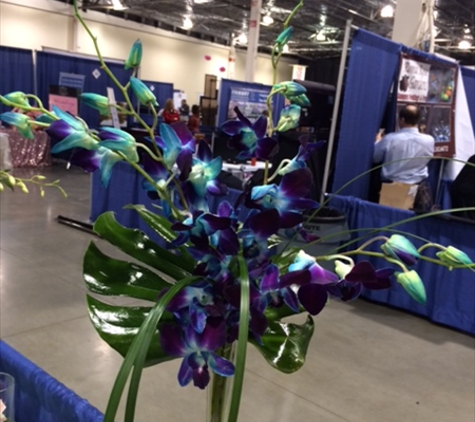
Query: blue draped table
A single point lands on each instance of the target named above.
(450, 294)
(41, 398)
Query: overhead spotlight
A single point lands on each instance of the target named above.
(187, 23)
(117, 5)
(242, 39)
(286, 49)
(202, 1)
(465, 44)
(466, 30)
(267, 20)
(321, 36)
(387, 11)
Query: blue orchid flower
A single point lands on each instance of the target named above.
(119, 141)
(20, 121)
(271, 287)
(135, 56)
(289, 118)
(143, 93)
(202, 178)
(197, 350)
(157, 171)
(312, 279)
(250, 138)
(101, 158)
(289, 198)
(97, 102)
(70, 132)
(304, 152)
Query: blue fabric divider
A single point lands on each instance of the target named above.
(50, 65)
(40, 397)
(468, 76)
(450, 294)
(372, 69)
(225, 95)
(16, 72)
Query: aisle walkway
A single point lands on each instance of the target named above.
(366, 363)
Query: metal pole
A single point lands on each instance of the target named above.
(336, 107)
(253, 39)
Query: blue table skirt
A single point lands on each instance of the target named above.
(41, 398)
(450, 294)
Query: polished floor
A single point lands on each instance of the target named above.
(366, 363)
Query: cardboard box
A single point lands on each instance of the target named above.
(398, 195)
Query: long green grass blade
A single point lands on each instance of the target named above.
(242, 342)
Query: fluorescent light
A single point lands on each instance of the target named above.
(202, 1)
(286, 49)
(242, 39)
(267, 20)
(465, 45)
(353, 11)
(187, 23)
(466, 30)
(387, 11)
(117, 5)
(321, 36)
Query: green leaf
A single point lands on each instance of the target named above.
(242, 341)
(136, 244)
(163, 228)
(119, 325)
(107, 276)
(284, 346)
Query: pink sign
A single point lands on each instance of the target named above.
(69, 104)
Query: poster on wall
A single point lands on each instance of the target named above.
(251, 102)
(65, 98)
(431, 86)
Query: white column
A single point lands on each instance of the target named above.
(231, 61)
(253, 39)
(407, 21)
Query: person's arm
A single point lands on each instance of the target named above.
(380, 150)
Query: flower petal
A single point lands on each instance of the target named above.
(313, 298)
(264, 224)
(185, 374)
(228, 242)
(172, 340)
(232, 127)
(260, 126)
(219, 365)
(270, 281)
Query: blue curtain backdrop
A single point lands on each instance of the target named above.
(468, 76)
(50, 65)
(16, 72)
(372, 69)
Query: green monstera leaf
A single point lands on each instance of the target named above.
(119, 325)
(112, 277)
(285, 345)
(139, 246)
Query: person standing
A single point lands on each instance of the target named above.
(401, 151)
(170, 114)
(184, 111)
(194, 122)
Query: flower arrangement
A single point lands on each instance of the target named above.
(216, 282)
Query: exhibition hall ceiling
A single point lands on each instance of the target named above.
(319, 26)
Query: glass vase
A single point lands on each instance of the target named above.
(7, 398)
(219, 390)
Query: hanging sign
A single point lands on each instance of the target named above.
(431, 85)
(251, 102)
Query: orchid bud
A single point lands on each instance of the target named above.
(2, 188)
(142, 92)
(97, 102)
(413, 285)
(135, 56)
(20, 121)
(18, 98)
(400, 248)
(284, 37)
(289, 118)
(454, 257)
(290, 89)
(342, 269)
(301, 100)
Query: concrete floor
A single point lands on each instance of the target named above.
(366, 363)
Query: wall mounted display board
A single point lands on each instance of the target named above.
(432, 86)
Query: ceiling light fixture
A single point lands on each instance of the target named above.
(466, 30)
(267, 20)
(187, 23)
(117, 5)
(387, 11)
(242, 38)
(321, 36)
(202, 1)
(286, 49)
(465, 45)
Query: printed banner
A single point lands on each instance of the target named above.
(431, 86)
(251, 102)
(64, 98)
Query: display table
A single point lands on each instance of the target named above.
(29, 152)
(450, 294)
(41, 398)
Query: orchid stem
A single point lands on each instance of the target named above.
(431, 245)
(276, 173)
(146, 148)
(374, 239)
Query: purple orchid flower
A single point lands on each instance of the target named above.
(197, 350)
(271, 287)
(250, 138)
(70, 132)
(312, 279)
(304, 152)
(202, 178)
(101, 158)
(257, 229)
(289, 198)
(119, 141)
